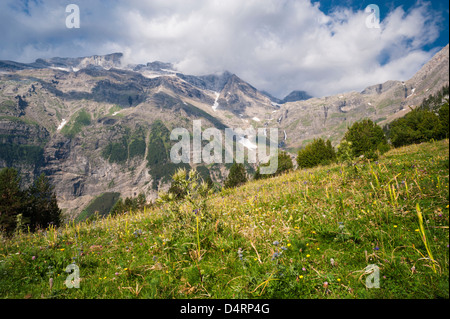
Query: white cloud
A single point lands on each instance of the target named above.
(276, 45)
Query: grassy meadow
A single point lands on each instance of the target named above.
(308, 234)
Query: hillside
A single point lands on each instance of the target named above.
(306, 234)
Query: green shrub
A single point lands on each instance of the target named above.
(344, 153)
(367, 138)
(419, 126)
(444, 119)
(415, 127)
(428, 121)
(316, 153)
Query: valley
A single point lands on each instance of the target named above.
(95, 126)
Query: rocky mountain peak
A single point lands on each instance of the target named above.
(296, 96)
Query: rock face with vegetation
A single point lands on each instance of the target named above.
(95, 126)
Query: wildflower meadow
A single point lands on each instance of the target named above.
(363, 230)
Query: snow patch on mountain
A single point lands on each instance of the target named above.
(64, 122)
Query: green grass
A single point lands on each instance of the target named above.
(129, 146)
(102, 204)
(82, 119)
(359, 215)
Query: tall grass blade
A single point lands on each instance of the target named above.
(423, 235)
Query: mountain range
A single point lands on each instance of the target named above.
(95, 126)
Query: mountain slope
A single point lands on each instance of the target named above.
(87, 122)
(308, 234)
(329, 117)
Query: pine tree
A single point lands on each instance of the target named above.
(43, 207)
(118, 208)
(11, 199)
(236, 177)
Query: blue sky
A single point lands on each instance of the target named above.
(322, 47)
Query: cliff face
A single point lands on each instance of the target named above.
(96, 126)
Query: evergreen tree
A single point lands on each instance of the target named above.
(284, 163)
(428, 121)
(118, 208)
(11, 199)
(367, 138)
(141, 201)
(415, 127)
(236, 177)
(42, 205)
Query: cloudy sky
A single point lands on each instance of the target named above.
(322, 47)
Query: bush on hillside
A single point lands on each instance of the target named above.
(429, 121)
(316, 153)
(366, 138)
